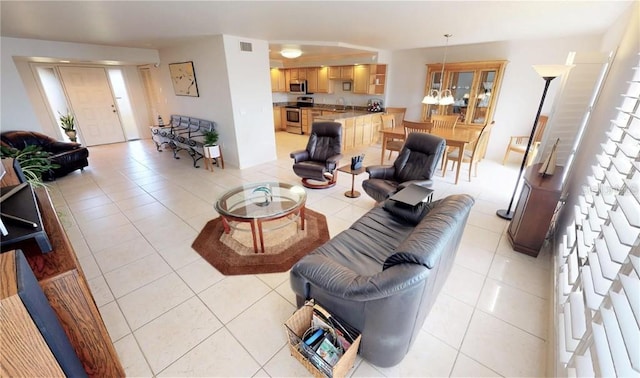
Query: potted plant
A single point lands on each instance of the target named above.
(34, 162)
(211, 148)
(68, 124)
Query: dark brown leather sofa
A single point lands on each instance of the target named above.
(383, 274)
(68, 155)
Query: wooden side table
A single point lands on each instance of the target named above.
(353, 172)
(534, 211)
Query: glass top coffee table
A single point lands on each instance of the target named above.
(260, 202)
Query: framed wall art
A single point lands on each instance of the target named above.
(183, 78)
(346, 86)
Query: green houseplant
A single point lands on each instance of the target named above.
(34, 162)
(211, 148)
(68, 124)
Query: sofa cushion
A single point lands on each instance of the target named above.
(406, 213)
(427, 241)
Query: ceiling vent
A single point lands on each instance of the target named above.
(246, 46)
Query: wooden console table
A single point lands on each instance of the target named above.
(534, 211)
(64, 285)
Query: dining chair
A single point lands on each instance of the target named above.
(416, 127)
(472, 155)
(398, 113)
(518, 144)
(444, 121)
(389, 122)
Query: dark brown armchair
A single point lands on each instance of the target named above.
(415, 164)
(320, 159)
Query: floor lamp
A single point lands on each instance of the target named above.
(548, 73)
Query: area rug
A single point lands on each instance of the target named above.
(285, 244)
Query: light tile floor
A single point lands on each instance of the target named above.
(133, 213)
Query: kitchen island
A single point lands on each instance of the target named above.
(359, 128)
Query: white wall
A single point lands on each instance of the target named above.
(521, 87)
(250, 89)
(21, 104)
(234, 91)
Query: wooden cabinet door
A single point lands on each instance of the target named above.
(361, 79)
(346, 73)
(277, 118)
(287, 79)
(305, 121)
(335, 72)
(302, 74)
(294, 74)
(349, 133)
(323, 80)
(277, 80)
(312, 80)
(367, 130)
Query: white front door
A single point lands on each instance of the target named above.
(93, 105)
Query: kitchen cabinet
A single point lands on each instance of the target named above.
(363, 130)
(361, 79)
(534, 211)
(294, 73)
(341, 72)
(278, 80)
(323, 80)
(475, 87)
(312, 80)
(376, 126)
(377, 78)
(306, 120)
(277, 118)
(283, 118)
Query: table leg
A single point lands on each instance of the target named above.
(225, 224)
(460, 157)
(302, 218)
(261, 235)
(253, 235)
(384, 148)
(352, 193)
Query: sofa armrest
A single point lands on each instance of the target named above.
(299, 156)
(317, 272)
(384, 172)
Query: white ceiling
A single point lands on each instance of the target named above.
(318, 27)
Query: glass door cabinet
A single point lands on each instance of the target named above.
(474, 87)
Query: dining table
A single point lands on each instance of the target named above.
(457, 137)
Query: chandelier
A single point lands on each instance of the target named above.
(442, 96)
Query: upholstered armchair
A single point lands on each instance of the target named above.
(415, 164)
(69, 156)
(319, 160)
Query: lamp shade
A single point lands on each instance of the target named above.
(291, 53)
(552, 70)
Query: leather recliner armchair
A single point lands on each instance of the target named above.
(68, 155)
(415, 164)
(320, 159)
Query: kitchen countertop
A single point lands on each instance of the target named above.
(348, 114)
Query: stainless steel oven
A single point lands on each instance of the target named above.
(294, 120)
(294, 113)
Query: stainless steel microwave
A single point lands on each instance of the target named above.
(298, 87)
